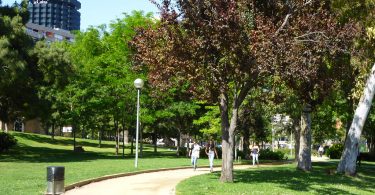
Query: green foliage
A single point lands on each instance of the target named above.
(335, 151)
(333, 111)
(268, 154)
(16, 64)
(210, 122)
(7, 141)
(89, 83)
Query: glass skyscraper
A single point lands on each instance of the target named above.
(57, 14)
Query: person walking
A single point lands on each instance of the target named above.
(255, 154)
(321, 150)
(211, 152)
(194, 154)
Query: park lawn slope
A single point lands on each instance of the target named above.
(284, 179)
(23, 169)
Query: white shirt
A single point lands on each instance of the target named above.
(196, 150)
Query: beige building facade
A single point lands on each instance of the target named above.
(29, 126)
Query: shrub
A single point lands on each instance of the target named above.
(240, 154)
(267, 154)
(365, 156)
(314, 153)
(335, 151)
(183, 152)
(6, 141)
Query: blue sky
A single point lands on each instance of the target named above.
(96, 12)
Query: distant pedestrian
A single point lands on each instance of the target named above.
(211, 152)
(194, 154)
(321, 150)
(190, 147)
(255, 154)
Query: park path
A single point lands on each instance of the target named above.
(155, 183)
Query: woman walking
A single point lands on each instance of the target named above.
(211, 152)
(255, 154)
(194, 153)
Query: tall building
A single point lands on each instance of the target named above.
(57, 14)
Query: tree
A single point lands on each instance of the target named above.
(309, 40)
(369, 133)
(349, 157)
(225, 48)
(208, 44)
(102, 86)
(55, 69)
(361, 11)
(17, 66)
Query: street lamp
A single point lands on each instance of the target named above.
(138, 83)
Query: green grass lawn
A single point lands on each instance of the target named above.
(284, 179)
(23, 169)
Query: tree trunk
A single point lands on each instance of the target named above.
(131, 145)
(246, 143)
(178, 143)
(74, 137)
(100, 136)
(349, 156)
(297, 133)
(126, 136)
(155, 140)
(228, 139)
(46, 128)
(6, 127)
(83, 132)
(371, 145)
(117, 137)
(53, 130)
(304, 156)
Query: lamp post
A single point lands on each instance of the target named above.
(138, 83)
(272, 131)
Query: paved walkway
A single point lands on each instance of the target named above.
(155, 183)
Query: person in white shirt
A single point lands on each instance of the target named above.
(321, 150)
(194, 153)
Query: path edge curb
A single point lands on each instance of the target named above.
(106, 177)
(113, 176)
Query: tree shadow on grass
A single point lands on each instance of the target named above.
(318, 180)
(25, 153)
(63, 142)
(29, 153)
